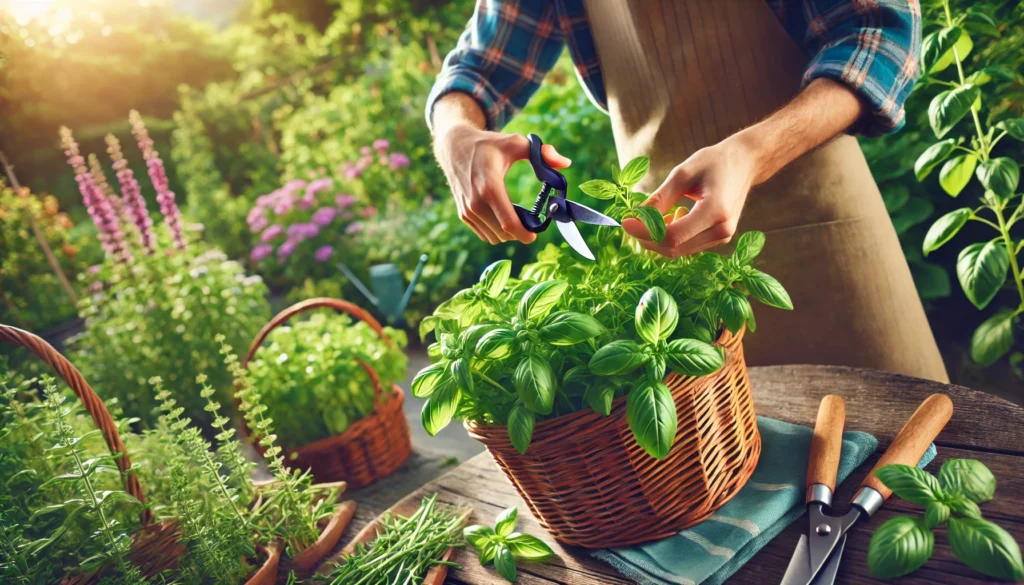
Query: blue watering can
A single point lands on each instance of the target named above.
(386, 282)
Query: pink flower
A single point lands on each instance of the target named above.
(294, 185)
(381, 144)
(254, 214)
(158, 176)
(354, 228)
(365, 151)
(369, 211)
(398, 160)
(323, 253)
(257, 225)
(285, 204)
(286, 249)
(352, 171)
(344, 200)
(94, 269)
(302, 231)
(324, 216)
(271, 232)
(260, 252)
(307, 201)
(318, 185)
(132, 194)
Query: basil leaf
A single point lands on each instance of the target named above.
(652, 220)
(963, 47)
(899, 547)
(969, 477)
(691, 357)
(651, 413)
(748, 247)
(956, 173)
(600, 398)
(478, 536)
(618, 357)
(656, 368)
(569, 328)
(495, 276)
(535, 383)
(634, 171)
(959, 504)
(504, 563)
(656, 315)
(734, 309)
(936, 45)
(463, 377)
(427, 324)
(472, 336)
(767, 290)
(911, 483)
(440, 407)
(520, 427)
(1000, 175)
(949, 107)
(426, 381)
(986, 548)
(506, 521)
(981, 268)
(993, 338)
(540, 299)
(599, 189)
(487, 555)
(496, 344)
(936, 514)
(945, 228)
(528, 547)
(932, 156)
(1014, 128)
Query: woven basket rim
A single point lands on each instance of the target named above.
(357, 428)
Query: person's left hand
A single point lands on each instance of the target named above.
(718, 179)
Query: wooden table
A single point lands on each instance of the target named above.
(983, 427)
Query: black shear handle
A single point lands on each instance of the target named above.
(551, 178)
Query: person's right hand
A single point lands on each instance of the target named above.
(475, 162)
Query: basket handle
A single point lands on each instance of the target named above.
(93, 404)
(342, 307)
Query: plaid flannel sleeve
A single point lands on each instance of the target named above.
(502, 57)
(872, 46)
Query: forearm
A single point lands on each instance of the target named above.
(455, 109)
(824, 109)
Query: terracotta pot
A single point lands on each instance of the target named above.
(308, 559)
(267, 574)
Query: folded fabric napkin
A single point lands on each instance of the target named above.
(710, 552)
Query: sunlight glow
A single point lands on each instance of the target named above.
(24, 11)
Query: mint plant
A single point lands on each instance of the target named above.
(903, 544)
(983, 267)
(503, 546)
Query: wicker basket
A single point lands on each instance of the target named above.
(156, 547)
(370, 448)
(590, 484)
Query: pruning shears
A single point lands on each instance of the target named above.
(552, 204)
(817, 555)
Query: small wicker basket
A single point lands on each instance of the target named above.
(370, 448)
(590, 484)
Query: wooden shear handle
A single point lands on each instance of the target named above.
(827, 443)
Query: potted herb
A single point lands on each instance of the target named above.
(562, 374)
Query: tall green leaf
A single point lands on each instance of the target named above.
(618, 357)
(520, 427)
(496, 344)
(949, 107)
(956, 173)
(1000, 175)
(993, 338)
(945, 228)
(911, 483)
(767, 290)
(932, 157)
(569, 328)
(748, 246)
(461, 374)
(969, 477)
(427, 380)
(656, 315)
(440, 407)
(505, 523)
(936, 45)
(495, 276)
(692, 357)
(981, 268)
(1014, 128)
(734, 309)
(634, 171)
(528, 547)
(504, 563)
(535, 384)
(599, 189)
(600, 398)
(652, 220)
(651, 413)
(899, 547)
(540, 299)
(986, 548)
(963, 47)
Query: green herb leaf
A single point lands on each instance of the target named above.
(656, 315)
(426, 381)
(495, 276)
(478, 536)
(652, 220)
(748, 247)
(504, 563)
(651, 413)
(945, 228)
(767, 290)
(496, 344)
(935, 46)
(936, 514)
(600, 398)
(956, 173)
(734, 309)
(931, 280)
(993, 338)
(520, 427)
(634, 171)
(981, 268)
(540, 299)
(959, 504)
(535, 384)
(569, 328)
(618, 357)
(1000, 175)
(1014, 128)
(599, 189)
(963, 47)
(949, 107)
(528, 547)
(969, 477)
(932, 157)
(427, 325)
(911, 483)
(440, 407)
(463, 377)
(986, 548)
(505, 524)
(899, 547)
(692, 357)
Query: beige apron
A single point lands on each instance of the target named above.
(684, 75)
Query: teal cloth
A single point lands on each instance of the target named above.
(710, 552)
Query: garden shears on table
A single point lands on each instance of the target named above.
(556, 206)
(817, 555)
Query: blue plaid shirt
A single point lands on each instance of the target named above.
(872, 46)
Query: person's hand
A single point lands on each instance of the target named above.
(475, 162)
(718, 178)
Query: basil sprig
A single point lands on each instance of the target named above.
(903, 544)
(503, 546)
